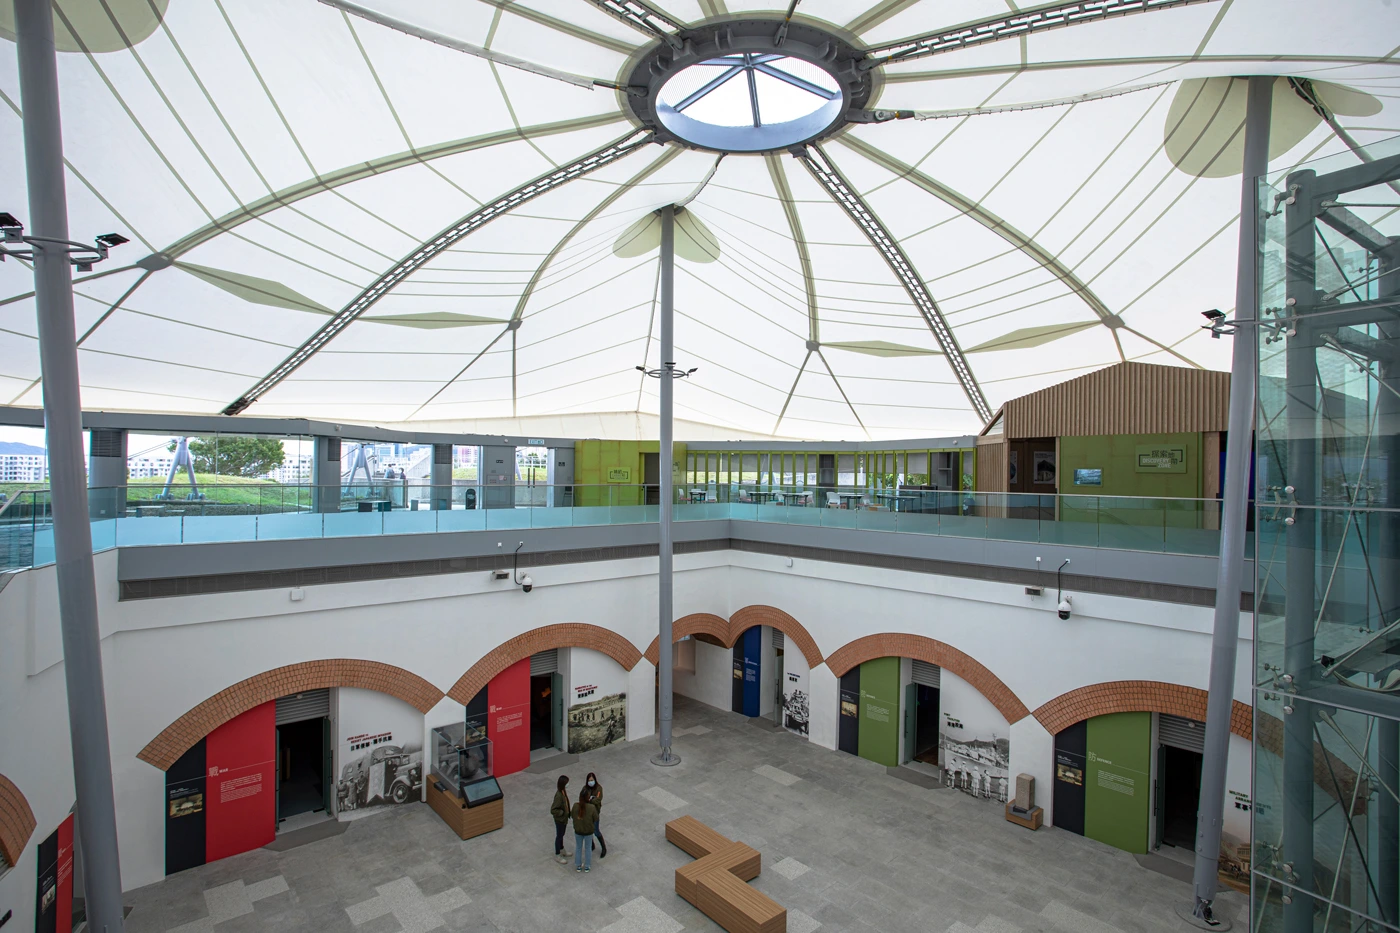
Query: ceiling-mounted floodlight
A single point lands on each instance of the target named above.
(79, 254)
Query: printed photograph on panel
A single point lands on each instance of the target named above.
(977, 764)
(597, 723)
(795, 711)
(385, 774)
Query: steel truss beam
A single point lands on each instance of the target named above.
(1013, 26)
(430, 249)
(643, 17)
(829, 177)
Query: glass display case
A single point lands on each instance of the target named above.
(461, 758)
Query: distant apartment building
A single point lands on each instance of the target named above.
(22, 463)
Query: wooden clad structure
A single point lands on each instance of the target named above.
(465, 821)
(1126, 398)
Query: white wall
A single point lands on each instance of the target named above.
(825, 702)
(711, 683)
(796, 684)
(1033, 753)
(972, 730)
(164, 656)
(366, 720)
(594, 677)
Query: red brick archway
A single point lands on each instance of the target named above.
(746, 618)
(892, 645)
(726, 633)
(16, 822)
(1136, 696)
(562, 635)
(697, 623)
(178, 737)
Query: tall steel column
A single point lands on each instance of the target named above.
(1385, 571)
(58, 357)
(1300, 562)
(668, 366)
(1244, 365)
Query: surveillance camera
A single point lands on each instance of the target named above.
(1065, 607)
(527, 584)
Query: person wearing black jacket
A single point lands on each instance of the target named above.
(560, 811)
(595, 790)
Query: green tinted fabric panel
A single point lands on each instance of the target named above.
(1116, 456)
(879, 711)
(1117, 788)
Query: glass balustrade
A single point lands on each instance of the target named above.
(137, 516)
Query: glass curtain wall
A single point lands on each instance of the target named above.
(1325, 854)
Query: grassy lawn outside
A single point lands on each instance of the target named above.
(225, 490)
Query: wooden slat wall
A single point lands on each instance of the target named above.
(991, 466)
(1127, 398)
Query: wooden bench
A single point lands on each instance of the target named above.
(735, 858)
(738, 907)
(693, 837)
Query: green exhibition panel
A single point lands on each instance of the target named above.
(879, 711)
(1117, 789)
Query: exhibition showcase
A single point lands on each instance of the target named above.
(935, 467)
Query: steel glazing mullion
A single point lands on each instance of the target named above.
(597, 159)
(1021, 23)
(712, 85)
(830, 178)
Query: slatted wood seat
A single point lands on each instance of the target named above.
(735, 858)
(738, 907)
(693, 837)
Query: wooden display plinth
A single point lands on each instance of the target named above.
(466, 821)
(1029, 819)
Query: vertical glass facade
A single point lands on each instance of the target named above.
(1325, 851)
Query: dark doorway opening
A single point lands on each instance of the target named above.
(926, 725)
(301, 757)
(541, 711)
(1181, 795)
(651, 477)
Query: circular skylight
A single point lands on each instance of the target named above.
(749, 102)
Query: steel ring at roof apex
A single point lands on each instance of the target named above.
(749, 85)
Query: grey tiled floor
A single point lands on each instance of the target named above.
(845, 848)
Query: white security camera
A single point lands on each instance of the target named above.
(527, 585)
(1065, 607)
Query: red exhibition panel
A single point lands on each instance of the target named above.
(508, 719)
(65, 875)
(240, 798)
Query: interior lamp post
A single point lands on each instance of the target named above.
(668, 373)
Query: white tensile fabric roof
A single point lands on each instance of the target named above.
(285, 154)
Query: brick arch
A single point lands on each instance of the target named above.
(1137, 696)
(746, 618)
(16, 822)
(892, 645)
(697, 623)
(178, 737)
(561, 635)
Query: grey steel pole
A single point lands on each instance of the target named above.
(58, 358)
(1244, 364)
(668, 366)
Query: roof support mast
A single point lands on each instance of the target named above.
(1225, 644)
(63, 424)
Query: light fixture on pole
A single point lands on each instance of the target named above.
(79, 254)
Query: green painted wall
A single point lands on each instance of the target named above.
(593, 460)
(1116, 455)
(879, 711)
(1117, 784)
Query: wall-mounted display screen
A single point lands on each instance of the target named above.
(1088, 477)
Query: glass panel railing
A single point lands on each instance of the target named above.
(153, 515)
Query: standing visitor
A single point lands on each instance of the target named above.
(585, 821)
(596, 791)
(560, 811)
